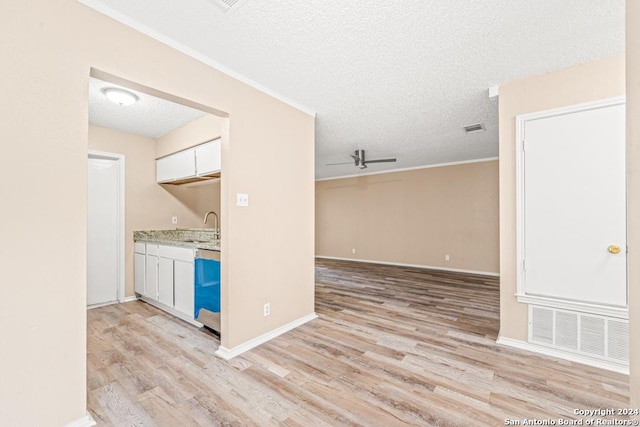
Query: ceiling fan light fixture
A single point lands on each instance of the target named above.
(119, 96)
(360, 162)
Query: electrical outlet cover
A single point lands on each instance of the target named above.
(242, 199)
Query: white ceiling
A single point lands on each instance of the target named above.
(397, 79)
(150, 116)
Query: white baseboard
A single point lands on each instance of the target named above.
(127, 299)
(226, 353)
(86, 421)
(585, 360)
(400, 264)
(171, 311)
(104, 304)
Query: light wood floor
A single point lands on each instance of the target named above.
(392, 346)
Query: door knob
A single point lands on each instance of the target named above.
(614, 249)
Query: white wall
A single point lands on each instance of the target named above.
(49, 48)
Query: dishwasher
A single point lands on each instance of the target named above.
(207, 288)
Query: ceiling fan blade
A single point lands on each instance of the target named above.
(342, 163)
(360, 161)
(381, 160)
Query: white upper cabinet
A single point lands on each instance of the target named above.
(184, 164)
(208, 158)
(177, 166)
(189, 165)
(164, 169)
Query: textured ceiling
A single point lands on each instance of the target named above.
(393, 78)
(150, 116)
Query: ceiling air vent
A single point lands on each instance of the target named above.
(479, 127)
(227, 5)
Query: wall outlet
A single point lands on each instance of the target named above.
(447, 257)
(353, 250)
(242, 199)
(267, 309)
(174, 220)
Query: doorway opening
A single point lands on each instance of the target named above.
(105, 228)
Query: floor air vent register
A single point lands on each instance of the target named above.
(600, 337)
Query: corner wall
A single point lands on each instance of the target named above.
(49, 48)
(413, 217)
(583, 83)
(148, 205)
(633, 192)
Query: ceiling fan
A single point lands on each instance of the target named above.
(358, 157)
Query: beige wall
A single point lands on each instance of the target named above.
(633, 191)
(48, 49)
(149, 206)
(193, 133)
(584, 83)
(413, 217)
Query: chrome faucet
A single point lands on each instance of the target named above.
(216, 225)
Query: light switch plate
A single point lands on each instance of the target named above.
(174, 220)
(242, 199)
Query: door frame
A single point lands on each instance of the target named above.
(521, 294)
(120, 234)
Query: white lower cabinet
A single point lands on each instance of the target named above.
(165, 274)
(184, 287)
(139, 270)
(165, 281)
(151, 277)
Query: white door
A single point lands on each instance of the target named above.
(103, 268)
(575, 206)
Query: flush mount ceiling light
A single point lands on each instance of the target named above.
(120, 96)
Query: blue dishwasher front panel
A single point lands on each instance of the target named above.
(207, 284)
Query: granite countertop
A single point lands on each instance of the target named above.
(197, 238)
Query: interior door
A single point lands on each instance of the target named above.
(575, 206)
(102, 230)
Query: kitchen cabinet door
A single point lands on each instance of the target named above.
(165, 281)
(176, 166)
(208, 158)
(151, 277)
(184, 164)
(164, 170)
(184, 287)
(139, 270)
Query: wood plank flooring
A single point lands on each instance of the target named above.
(392, 346)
